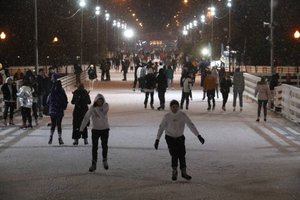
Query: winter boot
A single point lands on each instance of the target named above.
(75, 142)
(174, 174)
(86, 141)
(185, 175)
(51, 137)
(145, 106)
(105, 164)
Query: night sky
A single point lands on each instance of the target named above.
(248, 34)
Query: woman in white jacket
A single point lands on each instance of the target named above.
(100, 129)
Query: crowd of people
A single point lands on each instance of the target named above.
(44, 94)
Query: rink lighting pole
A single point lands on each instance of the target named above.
(272, 36)
(229, 33)
(36, 39)
(82, 5)
(97, 12)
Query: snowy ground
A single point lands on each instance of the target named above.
(241, 159)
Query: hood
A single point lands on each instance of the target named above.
(261, 83)
(99, 96)
(7, 79)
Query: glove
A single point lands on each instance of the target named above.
(201, 139)
(156, 144)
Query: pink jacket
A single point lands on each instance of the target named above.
(263, 90)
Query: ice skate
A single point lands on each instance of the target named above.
(105, 164)
(60, 141)
(50, 139)
(75, 142)
(11, 122)
(174, 174)
(5, 122)
(86, 141)
(92, 168)
(185, 175)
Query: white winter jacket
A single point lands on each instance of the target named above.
(97, 114)
(173, 124)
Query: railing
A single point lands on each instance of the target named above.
(250, 83)
(267, 69)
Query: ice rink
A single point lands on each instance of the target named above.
(241, 159)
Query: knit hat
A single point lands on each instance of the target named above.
(174, 102)
(56, 76)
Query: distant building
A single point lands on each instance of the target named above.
(152, 41)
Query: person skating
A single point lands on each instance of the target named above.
(58, 102)
(161, 88)
(26, 101)
(9, 91)
(209, 87)
(225, 85)
(238, 88)
(186, 89)
(173, 123)
(81, 99)
(264, 94)
(149, 88)
(100, 129)
(92, 72)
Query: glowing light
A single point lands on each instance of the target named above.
(97, 10)
(2, 36)
(55, 39)
(296, 35)
(128, 33)
(82, 3)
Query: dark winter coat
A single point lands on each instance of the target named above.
(274, 81)
(238, 82)
(161, 81)
(6, 92)
(81, 99)
(92, 73)
(57, 101)
(225, 85)
(150, 82)
(41, 85)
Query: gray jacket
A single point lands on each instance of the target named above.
(263, 91)
(238, 82)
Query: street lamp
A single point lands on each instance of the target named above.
(97, 12)
(213, 13)
(106, 19)
(3, 36)
(297, 35)
(82, 5)
(203, 22)
(229, 4)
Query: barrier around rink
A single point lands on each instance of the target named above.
(291, 102)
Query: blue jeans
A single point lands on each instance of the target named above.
(240, 98)
(171, 82)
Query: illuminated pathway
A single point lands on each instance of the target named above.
(241, 159)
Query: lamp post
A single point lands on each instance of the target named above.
(229, 32)
(82, 5)
(97, 12)
(106, 19)
(128, 34)
(272, 36)
(203, 22)
(118, 26)
(3, 36)
(213, 13)
(36, 39)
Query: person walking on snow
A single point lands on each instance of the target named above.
(100, 129)
(173, 123)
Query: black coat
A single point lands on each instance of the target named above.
(92, 73)
(81, 99)
(161, 81)
(225, 85)
(6, 92)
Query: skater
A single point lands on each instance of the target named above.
(92, 72)
(149, 88)
(209, 87)
(9, 91)
(58, 102)
(81, 99)
(225, 89)
(170, 76)
(186, 90)
(100, 129)
(238, 88)
(264, 94)
(215, 74)
(26, 101)
(161, 88)
(173, 124)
